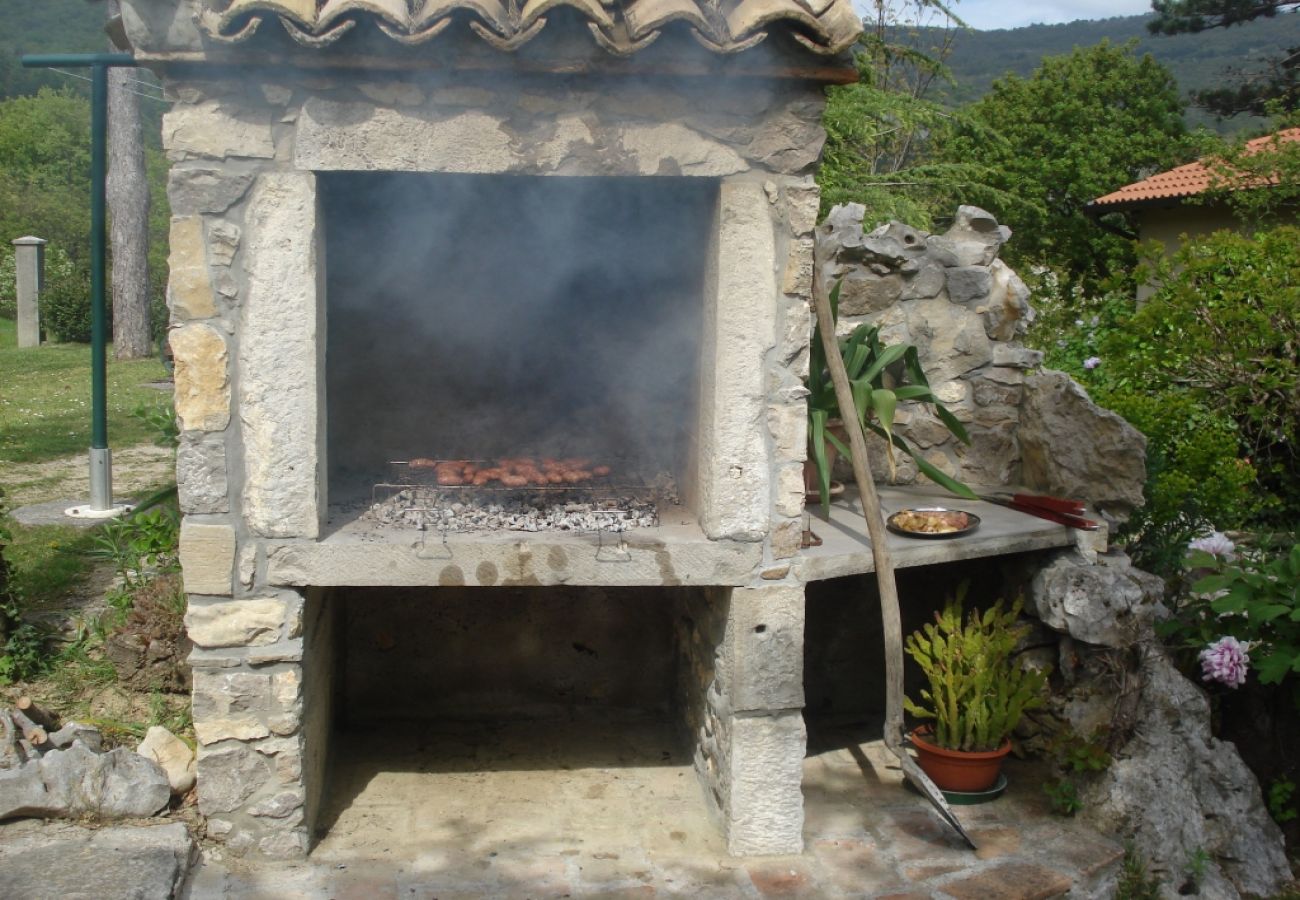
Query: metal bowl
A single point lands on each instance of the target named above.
(972, 522)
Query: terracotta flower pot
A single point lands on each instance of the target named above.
(958, 770)
(810, 483)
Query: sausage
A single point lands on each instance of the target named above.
(421, 462)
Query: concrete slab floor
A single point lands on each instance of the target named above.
(614, 810)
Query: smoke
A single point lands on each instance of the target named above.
(481, 316)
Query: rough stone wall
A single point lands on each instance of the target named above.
(1171, 789)
(246, 299)
(965, 310)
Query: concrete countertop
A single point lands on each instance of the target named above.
(846, 549)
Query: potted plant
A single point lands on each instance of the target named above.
(881, 377)
(977, 693)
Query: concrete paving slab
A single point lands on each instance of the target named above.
(45, 861)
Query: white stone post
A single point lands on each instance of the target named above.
(29, 263)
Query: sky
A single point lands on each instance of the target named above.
(986, 15)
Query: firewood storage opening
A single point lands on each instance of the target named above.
(844, 668)
(509, 713)
(513, 353)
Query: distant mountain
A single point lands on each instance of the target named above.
(45, 26)
(1196, 60)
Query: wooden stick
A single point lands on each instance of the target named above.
(890, 617)
(33, 733)
(28, 706)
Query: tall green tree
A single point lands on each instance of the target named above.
(1267, 88)
(45, 169)
(879, 130)
(1082, 125)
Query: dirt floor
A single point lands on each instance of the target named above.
(135, 470)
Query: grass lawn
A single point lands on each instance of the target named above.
(45, 399)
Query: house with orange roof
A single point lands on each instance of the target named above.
(1170, 207)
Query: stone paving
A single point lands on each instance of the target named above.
(529, 819)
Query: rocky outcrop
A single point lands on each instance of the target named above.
(1072, 447)
(78, 781)
(1177, 791)
(1171, 789)
(1110, 604)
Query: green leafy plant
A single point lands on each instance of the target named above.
(161, 418)
(977, 691)
(1063, 797)
(140, 544)
(880, 377)
(1135, 883)
(1197, 862)
(1280, 805)
(1254, 598)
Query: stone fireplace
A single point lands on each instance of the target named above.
(411, 232)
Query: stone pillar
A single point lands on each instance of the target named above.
(740, 329)
(248, 719)
(29, 263)
(748, 720)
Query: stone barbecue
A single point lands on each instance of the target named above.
(415, 243)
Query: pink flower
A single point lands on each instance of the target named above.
(1217, 544)
(1092, 362)
(1225, 661)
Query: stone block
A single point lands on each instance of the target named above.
(201, 474)
(1016, 356)
(790, 492)
(236, 623)
(189, 286)
(1007, 310)
(798, 276)
(787, 539)
(763, 648)
(223, 242)
(207, 554)
(734, 490)
(863, 292)
(205, 190)
(202, 378)
(229, 776)
(789, 429)
(802, 205)
(281, 359)
(927, 281)
(969, 284)
(764, 805)
(209, 129)
(230, 705)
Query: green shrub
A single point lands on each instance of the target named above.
(1223, 329)
(65, 300)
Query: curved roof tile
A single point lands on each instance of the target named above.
(826, 27)
(1184, 181)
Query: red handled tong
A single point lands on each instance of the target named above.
(1053, 509)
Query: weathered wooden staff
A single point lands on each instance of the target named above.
(888, 588)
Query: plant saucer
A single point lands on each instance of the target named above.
(971, 798)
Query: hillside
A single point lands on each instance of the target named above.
(1196, 60)
(45, 26)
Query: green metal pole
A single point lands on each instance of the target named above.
(98, 253)
(101, 459)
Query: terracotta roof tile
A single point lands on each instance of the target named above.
(1184, 181)
(826, 27)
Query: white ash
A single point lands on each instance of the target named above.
(438, 511)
